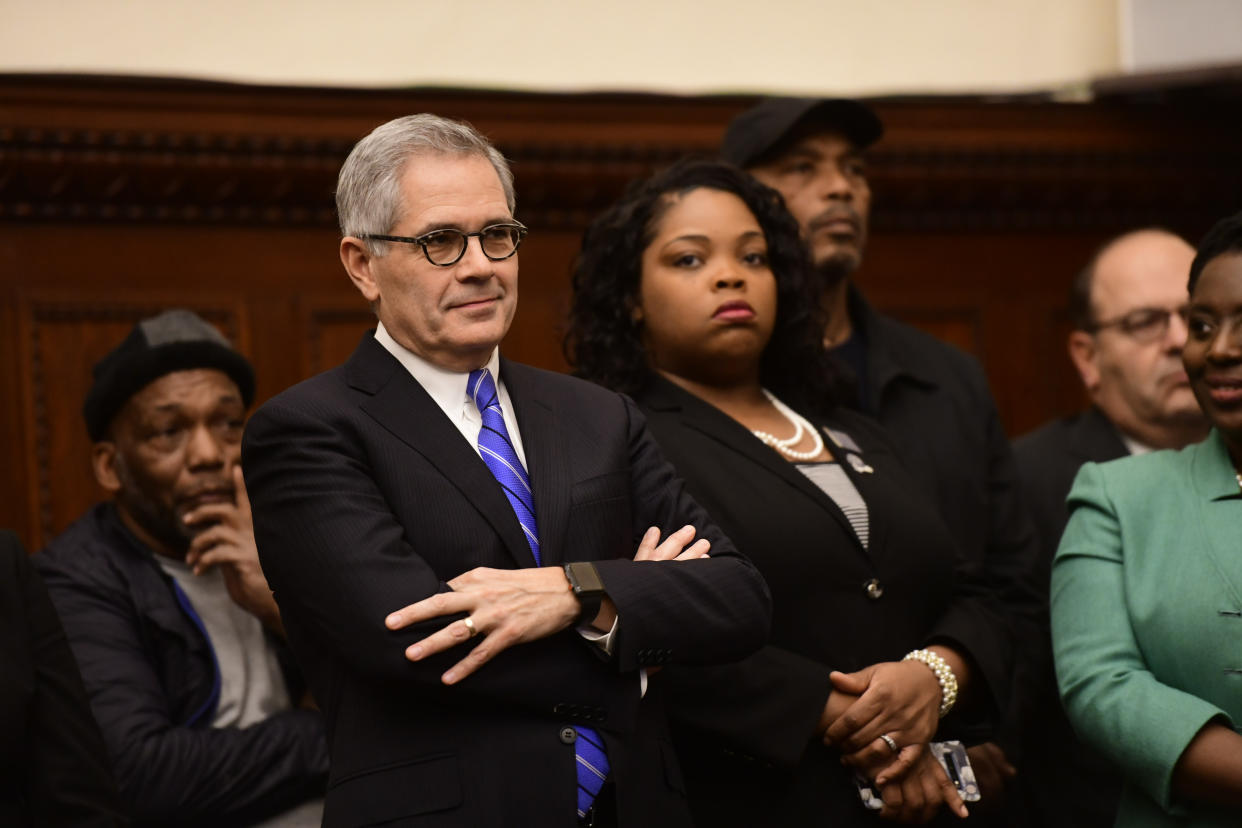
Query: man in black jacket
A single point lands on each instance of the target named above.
(459, 542)
(1127, 346)
(932, 398)
(170, 618)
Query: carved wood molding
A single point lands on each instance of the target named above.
(70, 175)
(947, 164)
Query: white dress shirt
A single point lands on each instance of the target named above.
(1133, 445)
(448, 389)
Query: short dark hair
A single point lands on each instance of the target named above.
(604, 341)
(1224, 237)
(1082, 316)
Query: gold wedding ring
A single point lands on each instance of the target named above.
(884, 737)
(473, 630)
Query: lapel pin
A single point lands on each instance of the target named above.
(858, 464)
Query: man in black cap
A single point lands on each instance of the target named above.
(932, 398)
(166, 609)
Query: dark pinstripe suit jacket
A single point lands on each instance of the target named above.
(367, 498)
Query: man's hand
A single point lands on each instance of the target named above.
(900, 699)
(228, 543)
(674, 546)
(511, 606)
(917, 796)
(504, 607)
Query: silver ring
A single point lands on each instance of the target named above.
(886, 739)
(473, 630)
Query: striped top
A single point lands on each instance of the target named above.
(834, 482)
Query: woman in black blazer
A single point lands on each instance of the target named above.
(693, 295)
(54, 769)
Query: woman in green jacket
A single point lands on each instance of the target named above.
(1147, 586)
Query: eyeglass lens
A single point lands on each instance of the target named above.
(447, 246)
(1147, 324)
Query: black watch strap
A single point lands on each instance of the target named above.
(587, 587)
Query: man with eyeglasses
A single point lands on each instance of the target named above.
(467, 551)
(1126, 307)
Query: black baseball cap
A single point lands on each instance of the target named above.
(759, 130)
(175, 340)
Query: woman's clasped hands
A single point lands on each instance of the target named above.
(881, 719)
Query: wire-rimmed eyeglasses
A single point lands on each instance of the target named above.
(446, 246)
(1143, 325)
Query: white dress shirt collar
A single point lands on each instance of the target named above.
(1134, 446)
(448, 389)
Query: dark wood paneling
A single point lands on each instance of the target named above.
(121, 196)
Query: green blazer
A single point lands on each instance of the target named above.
(1147, 617)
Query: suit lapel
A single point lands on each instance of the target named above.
(546, 458)
(400, 405)
(706, 418)
(1219, 501)
(1095, 439)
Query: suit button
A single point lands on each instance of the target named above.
(874, 589)
(568, 735)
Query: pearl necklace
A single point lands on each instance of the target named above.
(801, 426)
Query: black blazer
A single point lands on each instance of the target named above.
(54, 767)
(366, 498)
(1066, 782)
(1048, 461)
(744, 731)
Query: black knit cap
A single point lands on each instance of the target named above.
(175, 340)
(761, 129)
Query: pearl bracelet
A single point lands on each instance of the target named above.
(944, 675)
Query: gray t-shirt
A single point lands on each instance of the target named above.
(252, 686)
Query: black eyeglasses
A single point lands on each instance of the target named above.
(1143, 325)
(446, 247)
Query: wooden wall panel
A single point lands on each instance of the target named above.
(122, 196)
(333, 326)
(959, 325)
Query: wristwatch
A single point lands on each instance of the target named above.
(587, 587)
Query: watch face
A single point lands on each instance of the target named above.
(584, 578)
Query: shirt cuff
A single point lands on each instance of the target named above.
(603, 640)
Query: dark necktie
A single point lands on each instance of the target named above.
(501, 459)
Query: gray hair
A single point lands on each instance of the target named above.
(368, 189)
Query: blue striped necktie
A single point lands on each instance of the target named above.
(501, 459)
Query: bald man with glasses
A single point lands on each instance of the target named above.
(1126, 307)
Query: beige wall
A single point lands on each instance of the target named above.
(811, 46)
